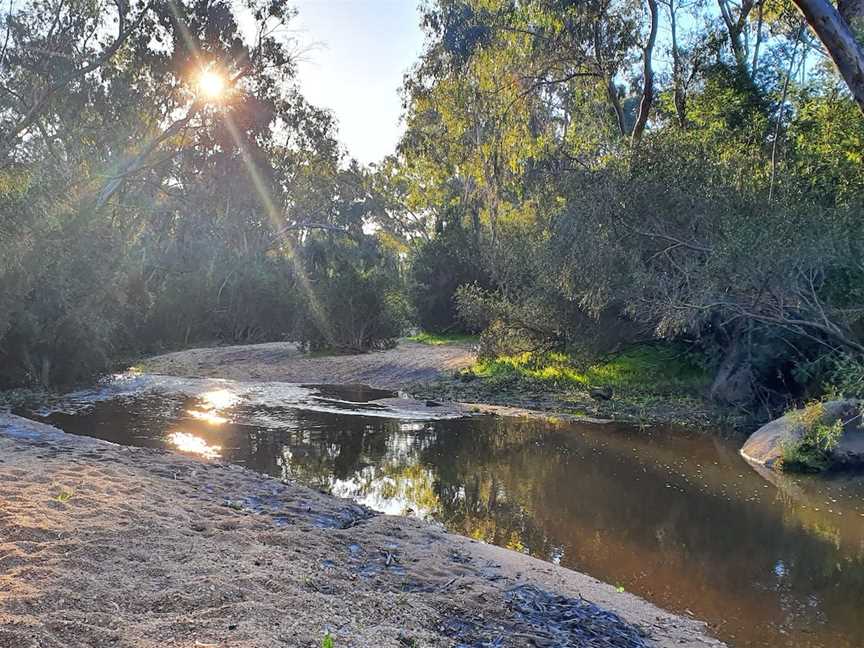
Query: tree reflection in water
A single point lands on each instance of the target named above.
(678, 518)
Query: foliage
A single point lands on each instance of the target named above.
(734, 221)
(551, 189)
(441, 339)
(846, 379)
(660, 369)
(438, 268)
(137, 215)
(812, 452)
(352, 297)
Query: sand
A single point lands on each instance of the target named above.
(403, 368)
(407, 364)
(103, 545)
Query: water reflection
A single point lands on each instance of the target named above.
(677, 518)
(185, 442)
(210, 417)
(219, 399)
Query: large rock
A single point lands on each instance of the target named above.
(765, 445)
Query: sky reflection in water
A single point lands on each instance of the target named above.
(677, 518)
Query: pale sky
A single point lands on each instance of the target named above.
(356, 52)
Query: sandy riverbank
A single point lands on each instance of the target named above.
(398, 368)
(406, 367)
(424, 371)
(102, 545)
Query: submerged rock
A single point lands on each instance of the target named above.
(768, 445)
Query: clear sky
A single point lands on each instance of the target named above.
(355, 53)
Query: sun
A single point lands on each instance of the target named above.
(211, 85)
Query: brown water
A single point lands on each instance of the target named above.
(677, 518)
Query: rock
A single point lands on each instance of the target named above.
(765, 445)
(733, 383)
(602, 393)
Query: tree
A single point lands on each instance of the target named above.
(840, 29)
(137, 213)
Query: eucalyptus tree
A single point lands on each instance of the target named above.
(841, 30)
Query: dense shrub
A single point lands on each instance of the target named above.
(350, 297)
(439, 267)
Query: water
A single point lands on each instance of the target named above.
(675, 517)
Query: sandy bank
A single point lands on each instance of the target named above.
(398, 368)
(102, 545)
(425, 371)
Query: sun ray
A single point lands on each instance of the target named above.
(273, 214)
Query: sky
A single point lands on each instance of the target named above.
(354, 55)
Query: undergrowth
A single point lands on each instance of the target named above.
(812, 452)
(645, 369)
(439, 339)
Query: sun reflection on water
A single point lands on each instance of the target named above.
(211, 403)
(186, 442)
(219, 399)
(208, 417)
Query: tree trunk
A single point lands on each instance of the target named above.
(677, 71)
(615, 102)
(734, 381)
(754, 67)
(647, 75)
(838, 38)
(852, 11)
(609, 77)
(735, 26)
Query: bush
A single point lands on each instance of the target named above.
(846, 378)
(439, 267)
(812, 452)
(350, 296)
(61, 286)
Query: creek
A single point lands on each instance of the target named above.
(676, 517)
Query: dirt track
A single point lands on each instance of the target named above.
(396, 368)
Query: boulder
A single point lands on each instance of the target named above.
(765, 445)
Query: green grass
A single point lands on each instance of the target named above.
(438, 339)
(646, 369)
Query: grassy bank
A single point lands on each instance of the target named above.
(642, 370)
(440, 339)
(649, 383)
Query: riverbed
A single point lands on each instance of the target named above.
(676, 517)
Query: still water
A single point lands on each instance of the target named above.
(675, 517)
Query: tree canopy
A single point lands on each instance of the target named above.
(571, 173)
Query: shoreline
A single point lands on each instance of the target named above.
(106, 544)
(426, 372)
